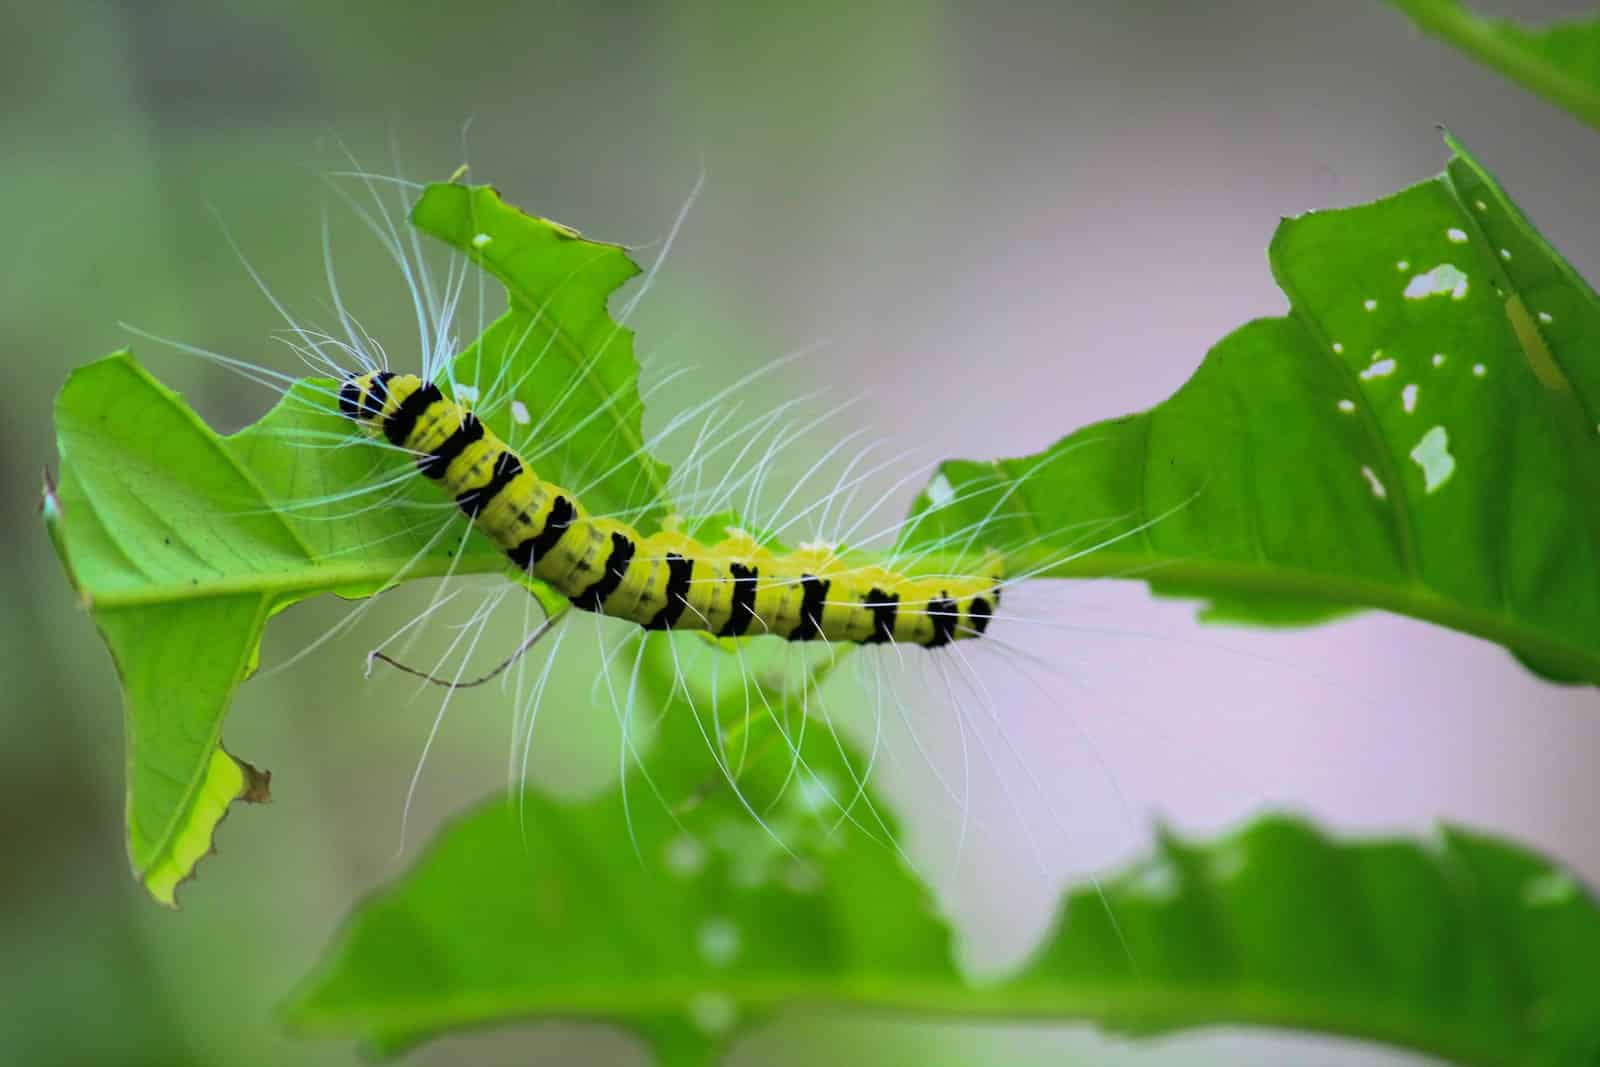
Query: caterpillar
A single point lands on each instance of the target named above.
(667, 580)
(471, 420)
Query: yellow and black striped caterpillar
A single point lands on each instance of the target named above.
(666, 580)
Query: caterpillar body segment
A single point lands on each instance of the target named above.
(667, 580)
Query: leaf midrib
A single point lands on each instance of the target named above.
(315, 578)
(1179, 1006)
(1413, 599)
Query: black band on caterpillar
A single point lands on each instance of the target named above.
(377, 394)
(350, 399)
(612, 572)
(883, 607)
(530, 551)
(680, 575)
(742, 611)
(732, 588)
(946, 614)
(399, 424)
(435, 463)
(979, 613)
(814, 596)
(506, 467)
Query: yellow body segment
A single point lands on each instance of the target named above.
(668, 580)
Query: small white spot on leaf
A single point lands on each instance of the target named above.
(1445, 279)
(1337, 347)
(1479, 370)
(685, 856)
(480, 240)
(713, 1013)
(1347, 406)
(940, 492)
(1228, 862)
(1408, 398)
(1456, 235)
(750, 871)
(1377, 485)
(1438, 359)
(814, 794)
(730, 835)
(1549, 890)
(1432, 454)
(1381, 369)
(1546, 318)
(1505, 253)
(802, 876)
(519, 413)
(1404, 264)
(1480, 205)
(1370, 304)
(719, 942)
(1156, 880)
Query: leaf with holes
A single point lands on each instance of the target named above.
(1465, 947)
(182, 543)
(1560, 61)
(556, 369)
(1418, 434)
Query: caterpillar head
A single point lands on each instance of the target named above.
(363, 397)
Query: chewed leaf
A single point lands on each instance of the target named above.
(1465, 946)
(226, 780)
(182, 543)
(1559, 61)
(180, 555)
(1468, 947)
(557, 372)
(1417, 435)
(172, 548)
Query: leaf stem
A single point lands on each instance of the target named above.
(1484, 41)
(346, 579)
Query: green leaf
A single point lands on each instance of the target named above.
(557, 350)
(1560, 62)
(1465, 947)
(1417, 435)
(182, 543)
(179, 584)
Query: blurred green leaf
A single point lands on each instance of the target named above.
(1417, 435)
(1560, 62)
(182, 543)
(1465, 947)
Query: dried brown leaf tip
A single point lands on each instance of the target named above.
(257, 783)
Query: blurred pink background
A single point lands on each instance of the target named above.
(999, 224)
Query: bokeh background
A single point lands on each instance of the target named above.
(999, 224)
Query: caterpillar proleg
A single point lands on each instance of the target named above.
(666, 580)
